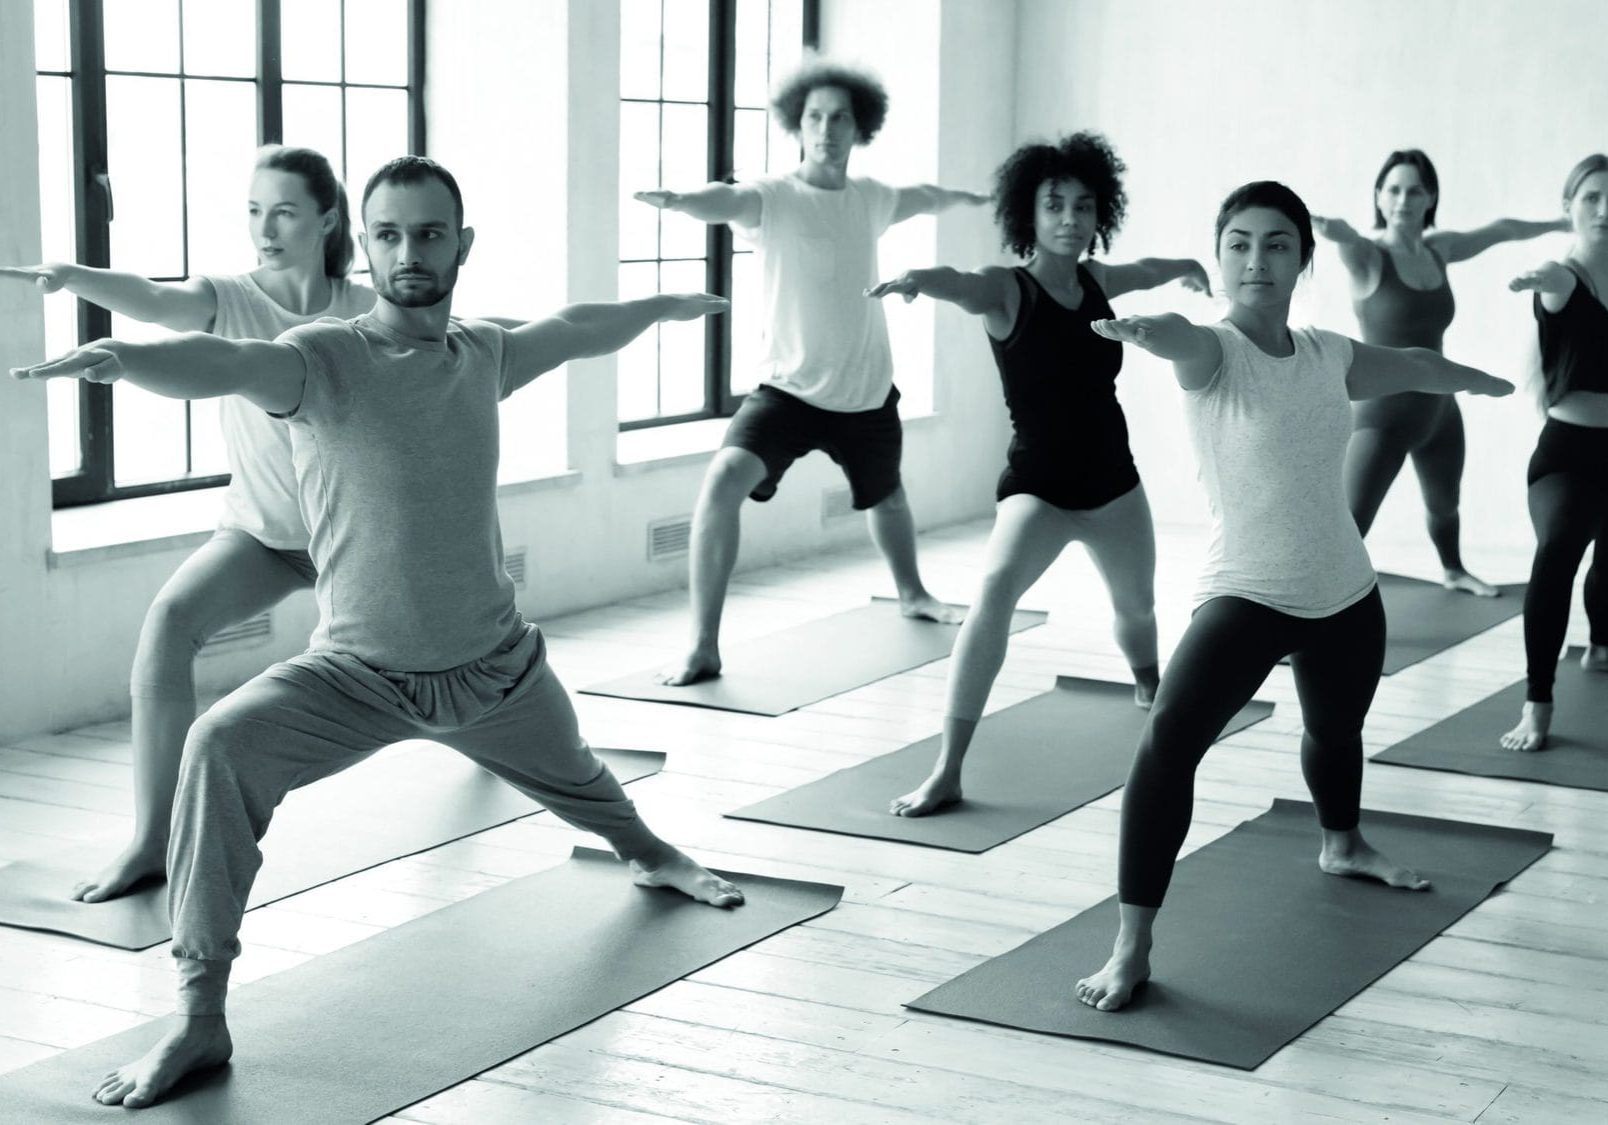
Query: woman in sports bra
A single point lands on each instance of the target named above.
(1403, 300)
(1069, 474)
(1568, 475)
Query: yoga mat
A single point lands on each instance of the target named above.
(1423, 618)
(360, 1033)
(405, 799)
(784, 671)
(1576, 753)
(1255, 944)
(1028, 764)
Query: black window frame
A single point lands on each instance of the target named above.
(718, 399)
(95, 481)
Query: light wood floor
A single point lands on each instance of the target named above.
(1503, 1018)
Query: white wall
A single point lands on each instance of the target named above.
(522, 106)
(1199, 98)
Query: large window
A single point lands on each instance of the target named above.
(149, 114)
(695, 77)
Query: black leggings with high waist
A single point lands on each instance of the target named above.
(1225, 654)
(1568, 498)
(1386, 431)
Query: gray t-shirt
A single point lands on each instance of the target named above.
(396, 443)
(1270, 434)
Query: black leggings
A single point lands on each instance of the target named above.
(1569, 509)
(1225, 654)
(1385, 431)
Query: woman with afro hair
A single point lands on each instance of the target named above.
(826, 371)
(1069, 474)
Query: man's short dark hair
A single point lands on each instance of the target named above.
(414, 170)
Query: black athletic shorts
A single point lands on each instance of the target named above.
(779, 428)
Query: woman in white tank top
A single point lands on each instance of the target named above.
(1268, 408)
(301, 230)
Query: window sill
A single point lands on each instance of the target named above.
(684, 443)
(150, 525)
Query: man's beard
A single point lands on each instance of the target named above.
(415, 298)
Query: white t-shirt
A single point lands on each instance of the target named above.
(1270, 434)
(824, 340)
(261, 497)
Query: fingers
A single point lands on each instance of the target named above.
(95, 365)
(660, 199)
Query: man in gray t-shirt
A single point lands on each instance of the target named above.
(393, 420)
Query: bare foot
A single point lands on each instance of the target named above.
(1535, 720)
(140, 860)
(701, 664)
(1112, 987)
(194, 1043)
(925, 607)
(680, 873)
(1466, 582)
(935, 794)
(1595, 658)
(1350, 855)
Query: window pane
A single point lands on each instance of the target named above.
(752, 49)
(51, 48)
(142, 35)
(639, 48)
(748, 144)
(62, 408)
(313, 120)
(310, 40)
(681, 345)
(787, 37)
(376, 131)
(148, 442)
(221, 132)
(206, 438)
(686, 50)
(377, 41)
(57, 221)
(782, 153)
(220, 37)
(638, 364)
(746, 325)
(639, 171)
(686, 165)
(142, 140)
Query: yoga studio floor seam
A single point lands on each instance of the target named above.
(1503, 1017)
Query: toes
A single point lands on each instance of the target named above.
(80, 890)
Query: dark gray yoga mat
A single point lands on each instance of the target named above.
(1576, 753)
(1423, 618)
(784, 671)
(1255, 944)
(360, 1033)
(405, 799)
(1028, 764)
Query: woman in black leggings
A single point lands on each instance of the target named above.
(1402, 299)
(1568, 474)
(1269, 414)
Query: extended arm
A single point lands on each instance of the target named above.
(1195, 352)
(599, 328)
(1553, 280)
(929, 199)
(713, 203)
(1379, 371)
(194, 365)
(1357, 253)
(1148, 273)
(1455, 246)
(184, 306)
(978, 293)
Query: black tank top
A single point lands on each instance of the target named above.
(1060, 382)
(1574, 343)
(1395, 315)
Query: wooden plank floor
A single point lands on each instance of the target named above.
(1504, 1018)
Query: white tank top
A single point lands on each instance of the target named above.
(261, 497)
(1270, 434)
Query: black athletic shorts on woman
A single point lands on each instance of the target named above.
(779, 428)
